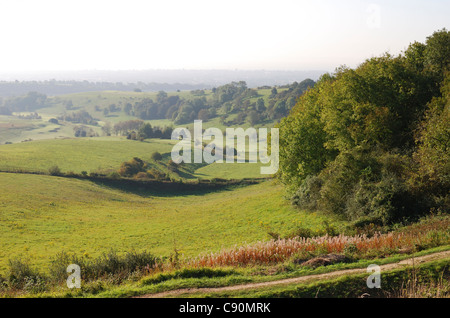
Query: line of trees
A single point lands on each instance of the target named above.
(80, 117)
(30, 102)
(234, 97)
(137, 130)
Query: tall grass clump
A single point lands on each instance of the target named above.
(430, 233)
(21, 276)
(108, 265)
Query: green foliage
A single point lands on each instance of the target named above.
(308, 194)
(132, 167)
(156, 174)
(145, 131)
(54, 171)
(437, 54)
(356, 130)
(387, 200)
(303, 139)
(22, 276)
(30, 102)
(156, 156)
(432, 155)
(108, 264)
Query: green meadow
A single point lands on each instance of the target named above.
(78, 154)
(15, 130)
(106, 154)
(43, 215)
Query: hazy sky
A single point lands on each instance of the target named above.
(209, 34)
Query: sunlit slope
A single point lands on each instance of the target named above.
(106, 154)
(43, 215)
(80, 154)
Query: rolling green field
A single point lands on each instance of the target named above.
(94, 103)
(78, 154)
(105, 154)
(43, 215)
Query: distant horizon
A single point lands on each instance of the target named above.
(58, 36)
(170, 76)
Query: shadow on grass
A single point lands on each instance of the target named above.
(170, 189)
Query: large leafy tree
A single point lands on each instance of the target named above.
(303, 138)
(356, 130)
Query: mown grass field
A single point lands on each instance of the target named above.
(43, 215)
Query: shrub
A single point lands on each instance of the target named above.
(308, 194)
(300, 232)
(156, 156)
(114, 175)
(388, 200)
(54, 171)
(141, 175)
(132, 167)
(21, 274)
(35, 284)
(71, 174)
(108, 265)
(156, 174)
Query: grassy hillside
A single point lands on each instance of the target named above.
(94, 103)
(43, 215)
(106, 154)
(83, 154)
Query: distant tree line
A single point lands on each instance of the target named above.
(30, 102)
(80, 117)
(137, 130)
(234, 97)
(84, 131)
(54, 87)
(30, 116)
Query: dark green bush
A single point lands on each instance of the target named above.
(341, 176)
(156, 156)
(54, 171)
(308, 194)
(388, 200)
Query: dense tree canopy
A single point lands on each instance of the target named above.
(352, 136)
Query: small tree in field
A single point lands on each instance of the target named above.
(54, 171)
(132, 167)
(156, 156)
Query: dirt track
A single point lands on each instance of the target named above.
(303, 279)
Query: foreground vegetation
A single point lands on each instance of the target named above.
(137, 273)
(43, 215)
(363, 156)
